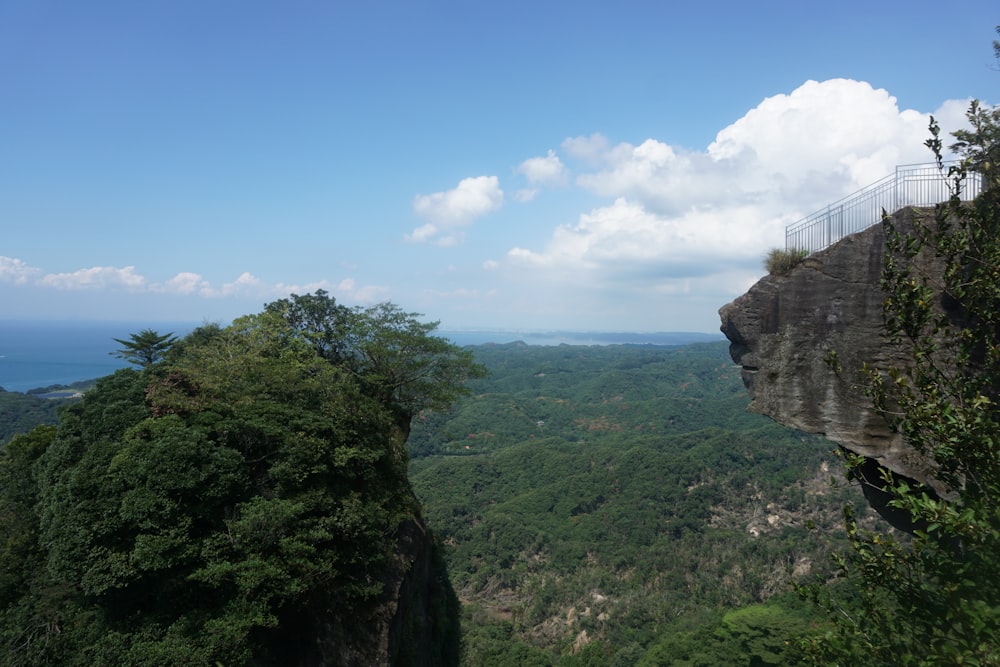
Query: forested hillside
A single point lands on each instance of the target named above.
(239, 499)
(19, 413)
(618, 505)
(596, 505)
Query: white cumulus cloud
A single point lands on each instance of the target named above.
(97, 277)
(678, 218)
(446, 212)
(548, 170)
(625, 241)
(17, 271)
(185, 283)
(244, 288)
(840, 126)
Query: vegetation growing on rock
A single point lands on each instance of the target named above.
(780, 261)
(236, 502)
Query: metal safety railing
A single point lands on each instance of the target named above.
(910, 185)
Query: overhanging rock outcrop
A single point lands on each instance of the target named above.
(802, 339)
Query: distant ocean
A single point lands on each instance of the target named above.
(43, 353)
(36, 354)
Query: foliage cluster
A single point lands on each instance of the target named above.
(615, 492)
(144, 348)
(19, 413)
(236, 502)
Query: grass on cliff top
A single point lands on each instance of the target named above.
(780, 261)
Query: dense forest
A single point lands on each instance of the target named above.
(618, 505)
(19, 413)
(237, 499)
(597, 505)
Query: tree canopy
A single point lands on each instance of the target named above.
(392, 354)
(144, 348)
(234, 502)
(624, 491)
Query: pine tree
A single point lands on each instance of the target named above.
(145, 348)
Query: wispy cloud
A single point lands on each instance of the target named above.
(591, 150)
(245, 286)
(345, 290)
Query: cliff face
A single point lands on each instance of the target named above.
(415, 623)
(803, 337)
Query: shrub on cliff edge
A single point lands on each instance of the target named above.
(780, 261)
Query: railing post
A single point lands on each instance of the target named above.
(817, 231)
(895, 190)
(829, 223)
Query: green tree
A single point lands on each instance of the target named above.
(394, 355)
(32, 606)
(240, 501)
(144, 348)
(934, 599)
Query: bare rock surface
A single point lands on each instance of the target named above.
(803, 338)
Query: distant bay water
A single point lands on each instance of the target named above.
(36, 354)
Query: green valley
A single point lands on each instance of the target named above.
(618, 505)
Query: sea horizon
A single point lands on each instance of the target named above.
(41, 353)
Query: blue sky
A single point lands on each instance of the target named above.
(519, 165)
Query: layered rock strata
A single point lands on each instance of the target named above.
(804, 337)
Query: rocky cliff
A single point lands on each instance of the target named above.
(802, 339)
(414, 623)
